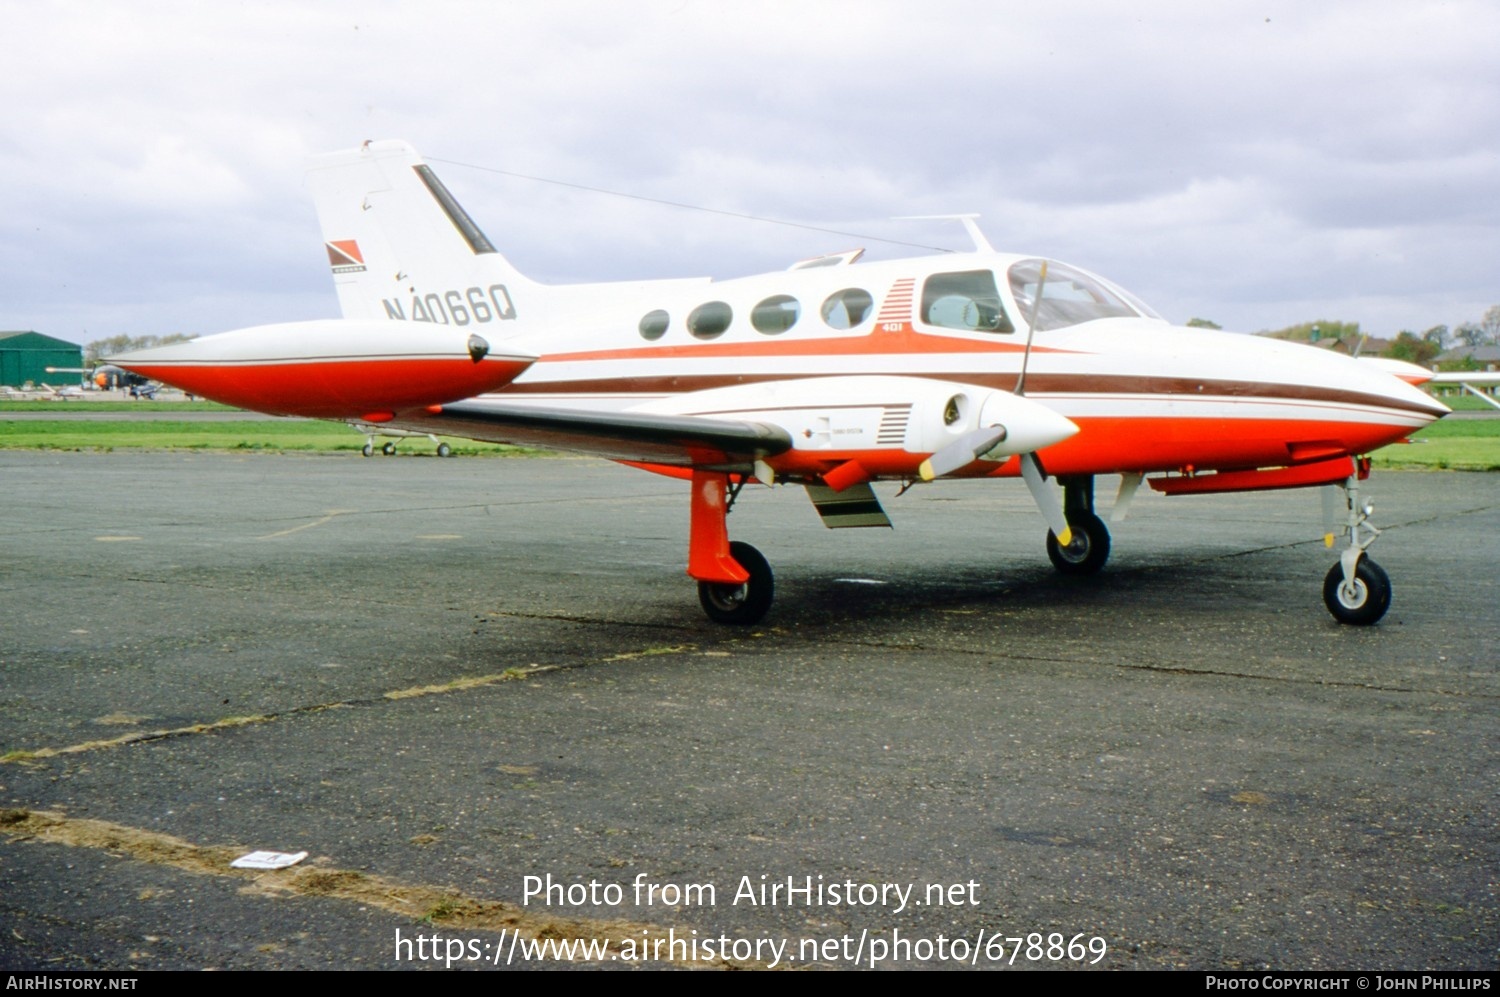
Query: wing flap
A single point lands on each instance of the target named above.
(674, 440)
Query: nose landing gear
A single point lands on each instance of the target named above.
(1088, 548)
(1357, 591)
(1361, 601)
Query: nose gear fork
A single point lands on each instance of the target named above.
(1357, 591)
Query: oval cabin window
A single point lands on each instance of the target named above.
(777, 313)
(710, 319)
(654, 324)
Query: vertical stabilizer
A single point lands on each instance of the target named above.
(401, 247)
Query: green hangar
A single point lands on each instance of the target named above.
(25, 356)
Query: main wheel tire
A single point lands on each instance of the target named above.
(368, 450)
(1087, 551)
(388, 449)
(444, 450)
(1362, 603)
(740, 605)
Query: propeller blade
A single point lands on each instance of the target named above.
(1129, 483)
(1331, 501)
(961, 452)
(1046, 499)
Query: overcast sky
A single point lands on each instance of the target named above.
(1255, 163)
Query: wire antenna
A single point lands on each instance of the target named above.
(691, 207)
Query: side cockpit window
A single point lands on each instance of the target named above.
(1069, 296)
(967, 300)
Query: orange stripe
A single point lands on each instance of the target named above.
(1162, 389)
(1112, 446)
(878, 342)
(1115, 445)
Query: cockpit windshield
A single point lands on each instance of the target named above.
(1069, 296)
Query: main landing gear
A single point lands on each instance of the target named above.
(745, 603)
(1088, 548)
(735, 584)
(1357, 591)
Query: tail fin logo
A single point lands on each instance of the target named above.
(344, 256)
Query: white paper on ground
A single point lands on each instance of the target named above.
(268, 860)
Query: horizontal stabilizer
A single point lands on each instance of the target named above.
(333, 368)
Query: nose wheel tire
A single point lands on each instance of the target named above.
(1089, 548)
(740, 605)
(1364, 600)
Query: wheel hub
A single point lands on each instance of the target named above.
(1078, 548)
(728, 597)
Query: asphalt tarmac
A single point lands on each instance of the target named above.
(448, 680)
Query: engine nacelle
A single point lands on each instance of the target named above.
(333, 368)
(879, 412)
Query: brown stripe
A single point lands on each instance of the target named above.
(1036, 383)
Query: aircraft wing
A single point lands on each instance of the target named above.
(1485, 377)
(651, 438)
(1471, 381)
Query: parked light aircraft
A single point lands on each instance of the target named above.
(370, 431)
(831, 375)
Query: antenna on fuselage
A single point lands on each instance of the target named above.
(1031, 468)
(970, 223)
(1036, 307)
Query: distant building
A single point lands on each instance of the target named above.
(1487, 357)
(25, 356)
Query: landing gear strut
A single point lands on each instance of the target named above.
(735, 585)
(1357, 591)
(1088, 549)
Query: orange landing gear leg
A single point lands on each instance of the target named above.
(735, 585)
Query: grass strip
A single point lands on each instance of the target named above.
(1448, 445)
(277, 434)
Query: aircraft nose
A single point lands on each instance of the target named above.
(1363, 406)
(1404, 395)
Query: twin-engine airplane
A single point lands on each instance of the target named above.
(831, 375)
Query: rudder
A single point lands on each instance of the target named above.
(401, 247)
